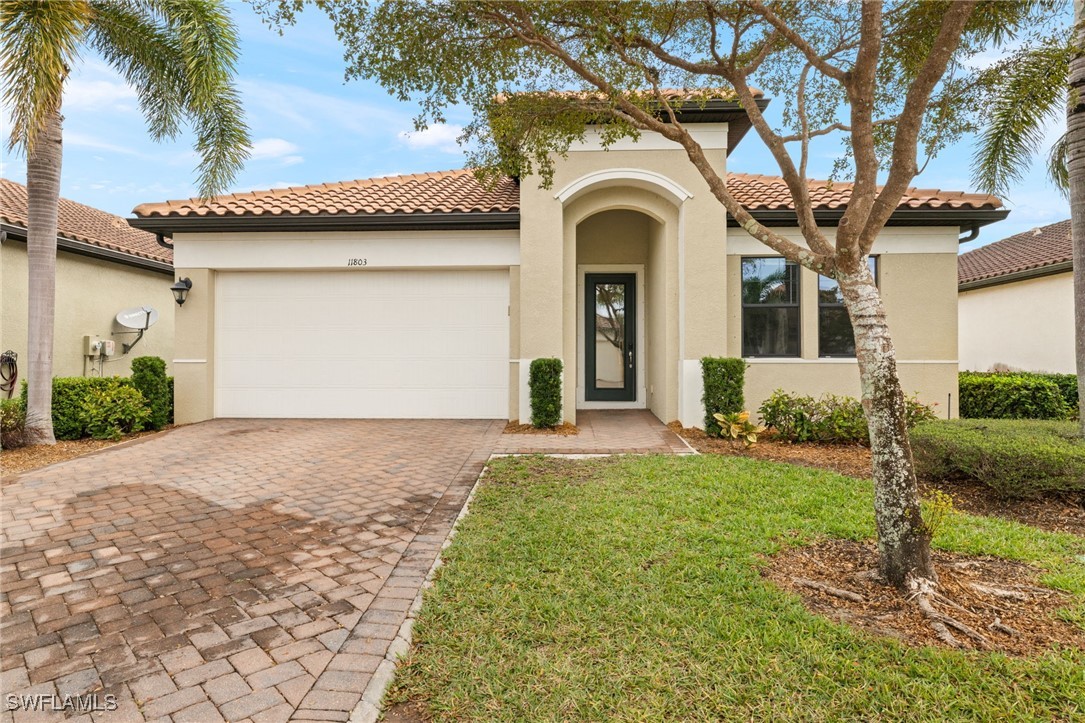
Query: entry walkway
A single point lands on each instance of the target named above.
(635, 431)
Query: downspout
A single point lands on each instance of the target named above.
(972, 236)
(161, 239)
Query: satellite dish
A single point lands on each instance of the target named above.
(140, 318)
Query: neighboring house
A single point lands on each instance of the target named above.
(103, 267)
(429, 295)
(1016, 303)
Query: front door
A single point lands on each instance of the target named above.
(610, 353)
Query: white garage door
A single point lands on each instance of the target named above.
(405, 344)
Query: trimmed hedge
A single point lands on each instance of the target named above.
(149, 377)
(68, 396)
(544, 381)
(830, 418)
(999, 395)
(724, 382)
(1016, 458)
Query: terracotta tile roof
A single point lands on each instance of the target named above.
(83, 223)
(1033, 249)
(460, 192)
(421, 193)
(764, 193)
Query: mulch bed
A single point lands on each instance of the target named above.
(23, 459)
(1024, 605)
(1055, 512)
(562, 430)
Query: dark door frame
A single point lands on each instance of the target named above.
(627, 393)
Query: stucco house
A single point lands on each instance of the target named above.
(429, 295)
(103, 266)
(1016, 303)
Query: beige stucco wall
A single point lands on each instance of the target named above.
(89, 293)
(194, 364)
(918, 280)
(691, 255)
(1026, 325)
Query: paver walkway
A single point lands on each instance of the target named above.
(601, 432)
(240, 569)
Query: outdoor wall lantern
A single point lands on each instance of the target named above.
(180, 290)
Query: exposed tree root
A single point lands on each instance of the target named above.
(1002, 628)
(999, 591)
(829, 589)
(923, 593)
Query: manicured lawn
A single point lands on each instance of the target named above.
(628, 589)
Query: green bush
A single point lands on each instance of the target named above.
(1016, 458)
(999, 395)
(112, 412)
(12, 423)
(1067, 384)
(724, 381)
(830, 418)
(544, 381)
(149, 377)
(68, 395)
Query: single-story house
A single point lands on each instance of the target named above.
(1016, 303)
(104, 266)
(429, 295)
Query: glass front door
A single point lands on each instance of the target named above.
(610, 353)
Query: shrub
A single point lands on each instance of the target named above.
(544, 381)
(831, 418)
(12, 423)
(724, 381)
(169, 383)
(1000, 395)
(68, 395)
(1016, 458)
(737, 425)
(111, 412)
(149, 377)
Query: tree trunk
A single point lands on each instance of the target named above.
(1075, 163)
(43, 196)
(903, 540)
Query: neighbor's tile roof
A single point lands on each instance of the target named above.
(1033, 249)
(460, 192)
(83, 223)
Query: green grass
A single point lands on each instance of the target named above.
(627, 589)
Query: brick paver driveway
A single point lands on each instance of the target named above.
(233, 569)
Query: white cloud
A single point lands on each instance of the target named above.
(438, 137)
(308, 110)
(276, 149)
(83, 140)
(97, 95)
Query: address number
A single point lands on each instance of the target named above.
(357, 262)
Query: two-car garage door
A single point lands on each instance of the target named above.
(366, 343)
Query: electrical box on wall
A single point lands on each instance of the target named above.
(109, 347)
(92, 345)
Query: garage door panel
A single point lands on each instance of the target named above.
(362, 344)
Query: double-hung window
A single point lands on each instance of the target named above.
(770, 307)
(835, 336)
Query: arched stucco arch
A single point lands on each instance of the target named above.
(624, 178)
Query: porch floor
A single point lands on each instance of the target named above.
(610, 431)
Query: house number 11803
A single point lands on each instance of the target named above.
(357, 262)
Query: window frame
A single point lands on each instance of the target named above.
(876, 271)
(796, 305)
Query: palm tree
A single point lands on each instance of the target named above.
(180, 58)
(1033, 87)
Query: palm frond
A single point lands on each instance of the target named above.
(1028, 90)
(1057, 168)
(131, 37)
(39, 42)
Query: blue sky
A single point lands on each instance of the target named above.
(309, 126)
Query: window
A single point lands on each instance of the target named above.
(770, 307)
(835, 337)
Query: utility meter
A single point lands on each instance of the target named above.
(92, 345)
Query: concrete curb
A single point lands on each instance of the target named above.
(369, 709)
